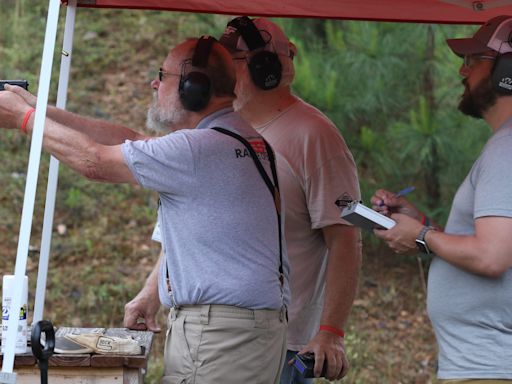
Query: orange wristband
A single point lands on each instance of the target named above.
(336, 331)
(23, 127)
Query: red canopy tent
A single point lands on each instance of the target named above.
(433, 11)
(424, 11)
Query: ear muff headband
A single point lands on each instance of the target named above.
(249, 32)
(195, 87)
(265, 67)
(202, 51)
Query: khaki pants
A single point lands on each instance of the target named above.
(475, 381)
(210, 344)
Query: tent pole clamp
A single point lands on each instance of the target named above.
(478, 6)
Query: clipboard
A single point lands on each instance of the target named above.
(360, 215)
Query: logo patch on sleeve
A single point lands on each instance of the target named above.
(258, 145)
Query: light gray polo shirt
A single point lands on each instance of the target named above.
(217, 217)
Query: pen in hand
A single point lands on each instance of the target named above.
(405, 191)
(402, 192)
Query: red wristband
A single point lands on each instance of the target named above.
(336, 331)
(425, 220)
(23, 127)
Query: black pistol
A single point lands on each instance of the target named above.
(20, 83)
(305, 364)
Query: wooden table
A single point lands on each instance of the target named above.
(88, 368)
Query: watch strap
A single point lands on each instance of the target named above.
(420, 240)
(423, 232)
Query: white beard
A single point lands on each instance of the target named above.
(164, 119)
(244, 89)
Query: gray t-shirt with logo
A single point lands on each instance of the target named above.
(472, 314)
(217, 217)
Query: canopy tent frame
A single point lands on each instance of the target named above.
(7, 375)
(427, 11)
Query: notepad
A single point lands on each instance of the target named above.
(366, 218)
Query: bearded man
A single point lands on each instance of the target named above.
(470, 279)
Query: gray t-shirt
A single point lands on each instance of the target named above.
(217, 217)
(472, 314)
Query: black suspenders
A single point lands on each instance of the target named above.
(273, 188)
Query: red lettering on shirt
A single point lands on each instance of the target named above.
(258, 145)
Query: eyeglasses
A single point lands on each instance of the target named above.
(162, 74)
(470, 60)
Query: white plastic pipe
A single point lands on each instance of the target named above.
(53, 173)
(7, 375)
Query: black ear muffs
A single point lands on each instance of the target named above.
(265, 70)
(195, 87)
(501, 75)
(265, 67)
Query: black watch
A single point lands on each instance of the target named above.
(420, 240)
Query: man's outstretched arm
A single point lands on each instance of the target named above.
(100, 131)
(95, 161)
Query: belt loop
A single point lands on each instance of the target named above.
(205, 314)
(283, 315)
(173, 313)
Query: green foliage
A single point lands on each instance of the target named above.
(394, 100)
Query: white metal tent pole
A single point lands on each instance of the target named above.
(7, 375)
(53, 173)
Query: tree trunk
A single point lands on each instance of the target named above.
(431, 175)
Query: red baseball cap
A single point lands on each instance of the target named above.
(495, 34)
